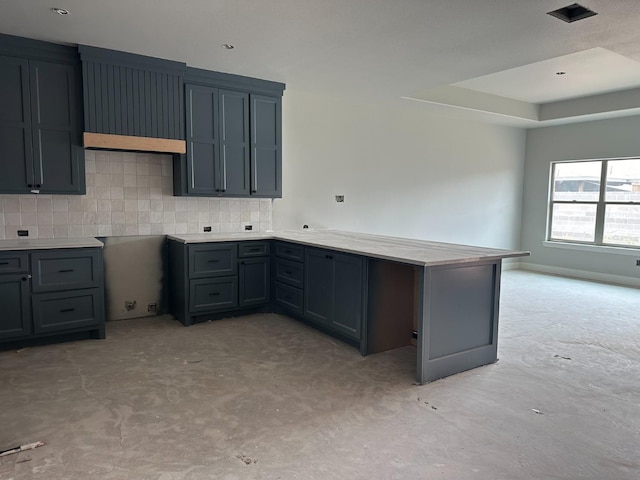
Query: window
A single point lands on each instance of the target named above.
(595, 202)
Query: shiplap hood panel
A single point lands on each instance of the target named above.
(132, 102)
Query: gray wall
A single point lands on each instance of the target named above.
(403, 171)
(613, 138)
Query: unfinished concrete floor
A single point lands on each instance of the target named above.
(265, 397)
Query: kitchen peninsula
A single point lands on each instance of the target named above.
(370, 290)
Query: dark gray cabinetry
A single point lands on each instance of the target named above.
(133, 95)
(288, 277)
(208, 280)
(51, 292)
(40, 118)
(234, 136)
(217, 160)
(266, 140)
(207, 294)
(15, 310)
(334, 291)
(255, 273)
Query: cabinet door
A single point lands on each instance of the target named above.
(203, 166)
(318, 291)
(234, 142)
(15, 126)
(348, 287)
(266, 156)
(15, 316)
(254, 282)
(58, 156)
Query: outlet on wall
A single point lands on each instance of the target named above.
(340, 198)
(637, 263)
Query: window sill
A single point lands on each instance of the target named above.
(634, 251)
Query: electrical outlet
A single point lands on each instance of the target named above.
(152, 308)
(637, 263)
(340, 198)
(207, 229)
(23, 233)
(248, 227)
(130, 304)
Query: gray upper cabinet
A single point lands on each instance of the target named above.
(233, 132)
(217, 141)
(234, 141)
(15, 126)
(40, 118)
(266, 139)
(203, 172)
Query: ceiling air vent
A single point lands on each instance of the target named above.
(572, 13)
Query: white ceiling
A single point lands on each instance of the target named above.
(589, 72)
(380, 50)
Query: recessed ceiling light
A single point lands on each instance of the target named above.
(572, 13)
(561, 73)
(228, 46)
(60, 11)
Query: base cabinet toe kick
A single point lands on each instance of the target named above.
(372, 303)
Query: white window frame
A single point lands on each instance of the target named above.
(601, 205)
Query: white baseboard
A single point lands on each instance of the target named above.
(510, 264)
(582, 274)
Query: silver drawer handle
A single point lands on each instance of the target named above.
(67, 310)
(66, 271)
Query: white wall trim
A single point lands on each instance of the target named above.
(582, 274)
(631, 251)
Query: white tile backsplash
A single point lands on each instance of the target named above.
(127, 194)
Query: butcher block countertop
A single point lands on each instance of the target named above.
(405, 250)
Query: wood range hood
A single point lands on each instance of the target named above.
(106, 141)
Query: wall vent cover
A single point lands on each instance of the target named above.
(572, 13)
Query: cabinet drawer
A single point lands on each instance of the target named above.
(289, 251)
(53, 312)
(213, 260)
(66, 269)
(290, 272)
(209, 294)
(289, 297)
(253, 249)
(14, 262)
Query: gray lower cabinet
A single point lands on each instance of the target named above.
(254, 281)
(324, 287)
(208, 280)
(15, 319)
(334, 291)
(51, 292)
